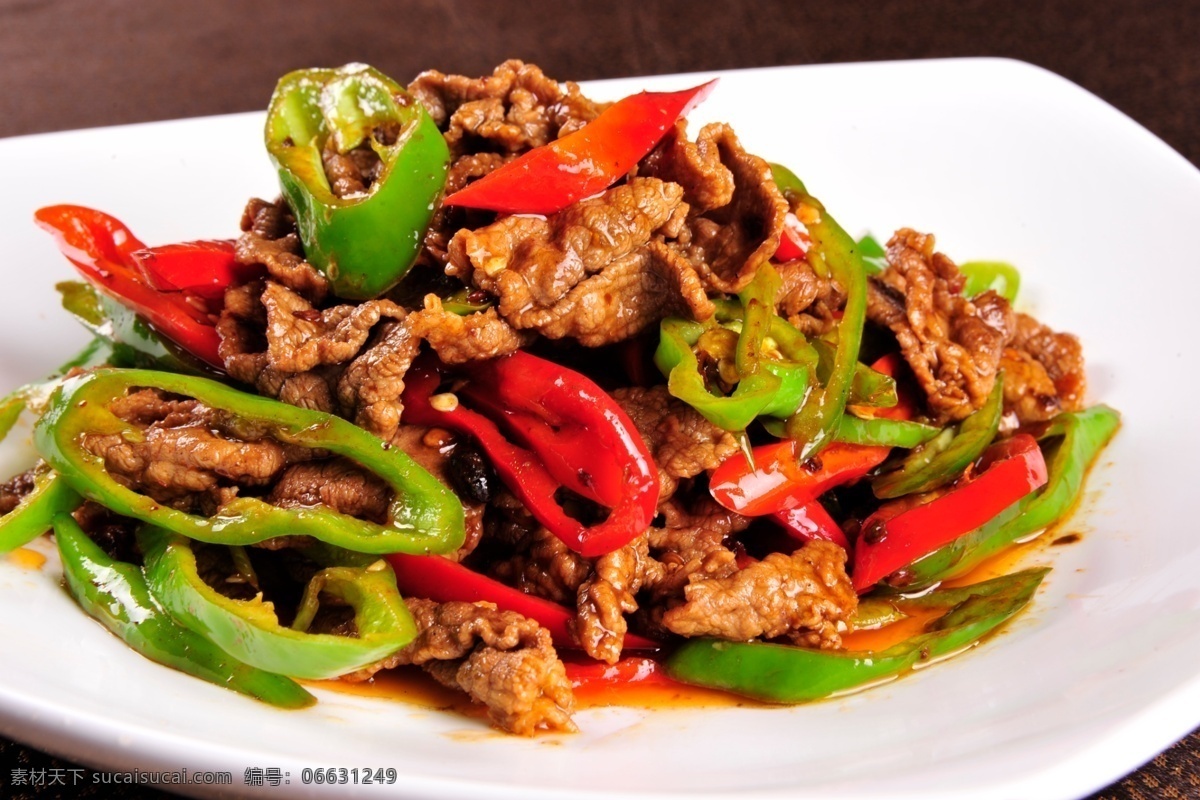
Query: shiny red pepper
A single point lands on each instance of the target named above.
(102, 250)
(899, 533)
(811, 521)
(570, 433)
(549, 178)
(203, 268)
(596, 676)
(794, 241)
(444, 581)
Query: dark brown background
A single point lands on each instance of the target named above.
(75, 64)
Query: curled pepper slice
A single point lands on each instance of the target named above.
(423, 516)
(571, 434)
(549, 178)
(365, 241)
(116, 595)
(249, 630)
(782, 674)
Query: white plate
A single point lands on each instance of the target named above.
(1001, 160)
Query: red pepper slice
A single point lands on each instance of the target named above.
(898, 533)
(576, 434)
(443, 581)
(549, 178)
(102, 248)
(811, 521)
(794, 242)
(779, 483)
(591, 675)
(204, 268)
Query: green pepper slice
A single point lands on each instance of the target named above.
(815, 424)
(782, 674)
(116, 595)
(366, 242)
(945, 456)
(249, 630)
(424, 517)
(35, 514)
(1082, 435)
(1000, 277)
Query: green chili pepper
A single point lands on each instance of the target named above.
(133, 343)
(782, 674)
(364, 243)
(765, 387)
(998, 276)
(878, 432)
(34, 515)
(943, 458)
(249, 630)
(423, 517)
(873, 255)
(869, 387)
(815, 424)
(116, 595)
(1082, 435)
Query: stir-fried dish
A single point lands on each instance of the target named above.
(529, 392)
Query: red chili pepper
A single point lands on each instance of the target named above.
(811, 521)
(574, 436)
(551, 177)
(778, 483)
(443, 581)
(597, 675)
(794, 242)
(204, 268)
(102, 249)
(898, 533)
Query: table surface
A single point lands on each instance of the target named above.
(67, 64)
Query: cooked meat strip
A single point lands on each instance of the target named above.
(500, 658)
(371, 386)
(807, 300)
(449, 219)
(514, 109)
(1043, 372)
(805, 596)
(683, 443)
(14, 490)
(269, 238)
(691, 541)
(695, 166)
(952, 344)
(608, 595)
(458, 339)
(545, 567)
(115, 534)
(350, 173)
(593, 271)
(337, 483)
(728, 242)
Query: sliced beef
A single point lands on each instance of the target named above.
(807, 300)
(683, 443)
(805, 596)
(599, 271)
(269, 238)
(434, 450)
(458, 339)
(543, 566)
(369, 389)
(953, 344)
(500, 658)
(608, 595)
(514, 109)
(731, 233)
(337, 483)
(1043, 372)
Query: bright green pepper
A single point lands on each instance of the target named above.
(868, 387)
(423, 517)
(877, 432)
(1082, 435)
(782, 674)
(1002, 278)
(815, 424)
(873, 255)
(116, 595)
(132, 341)
(249, 630)
(943, 458)
(34, 515)
(766, 386)
(366, 242)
